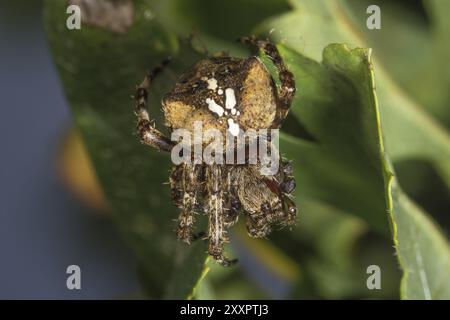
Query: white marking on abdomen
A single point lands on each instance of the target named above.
(230, 98)
(214, 107)
(212, 84)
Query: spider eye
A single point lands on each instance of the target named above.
(293, 210)
(290, 207)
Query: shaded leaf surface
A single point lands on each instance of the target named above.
(411, 46)
(408, 130)
(335, 103)
(99, 70)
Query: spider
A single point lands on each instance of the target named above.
(244, 91)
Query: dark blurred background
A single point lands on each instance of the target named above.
(43, 228)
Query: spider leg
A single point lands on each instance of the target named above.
(278, 207)
(214, 203)
(287, 91)
(259, 224)
(257, 227)
(184, 192)
(287, 187)
(231, 212)
(290, 210)
(148, 134)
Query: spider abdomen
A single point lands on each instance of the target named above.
(227, 94)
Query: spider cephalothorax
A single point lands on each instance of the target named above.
(230, 95)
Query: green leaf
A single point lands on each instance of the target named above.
(344, 171)
(423, 252)
(224, 20)
(411, 48)
(99, 70)
(324, 245)
(336, 105)
(410, 133)
(348, 168)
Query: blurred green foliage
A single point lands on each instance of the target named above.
(349, 101)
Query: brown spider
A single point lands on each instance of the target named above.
(244, 92)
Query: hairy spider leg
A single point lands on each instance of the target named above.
(232, 207)
(287, 91)
(214, 208)
(277, 210)
(261, 215)
(259, 224)
(287, 187)
(148, 134)
(187, 181)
